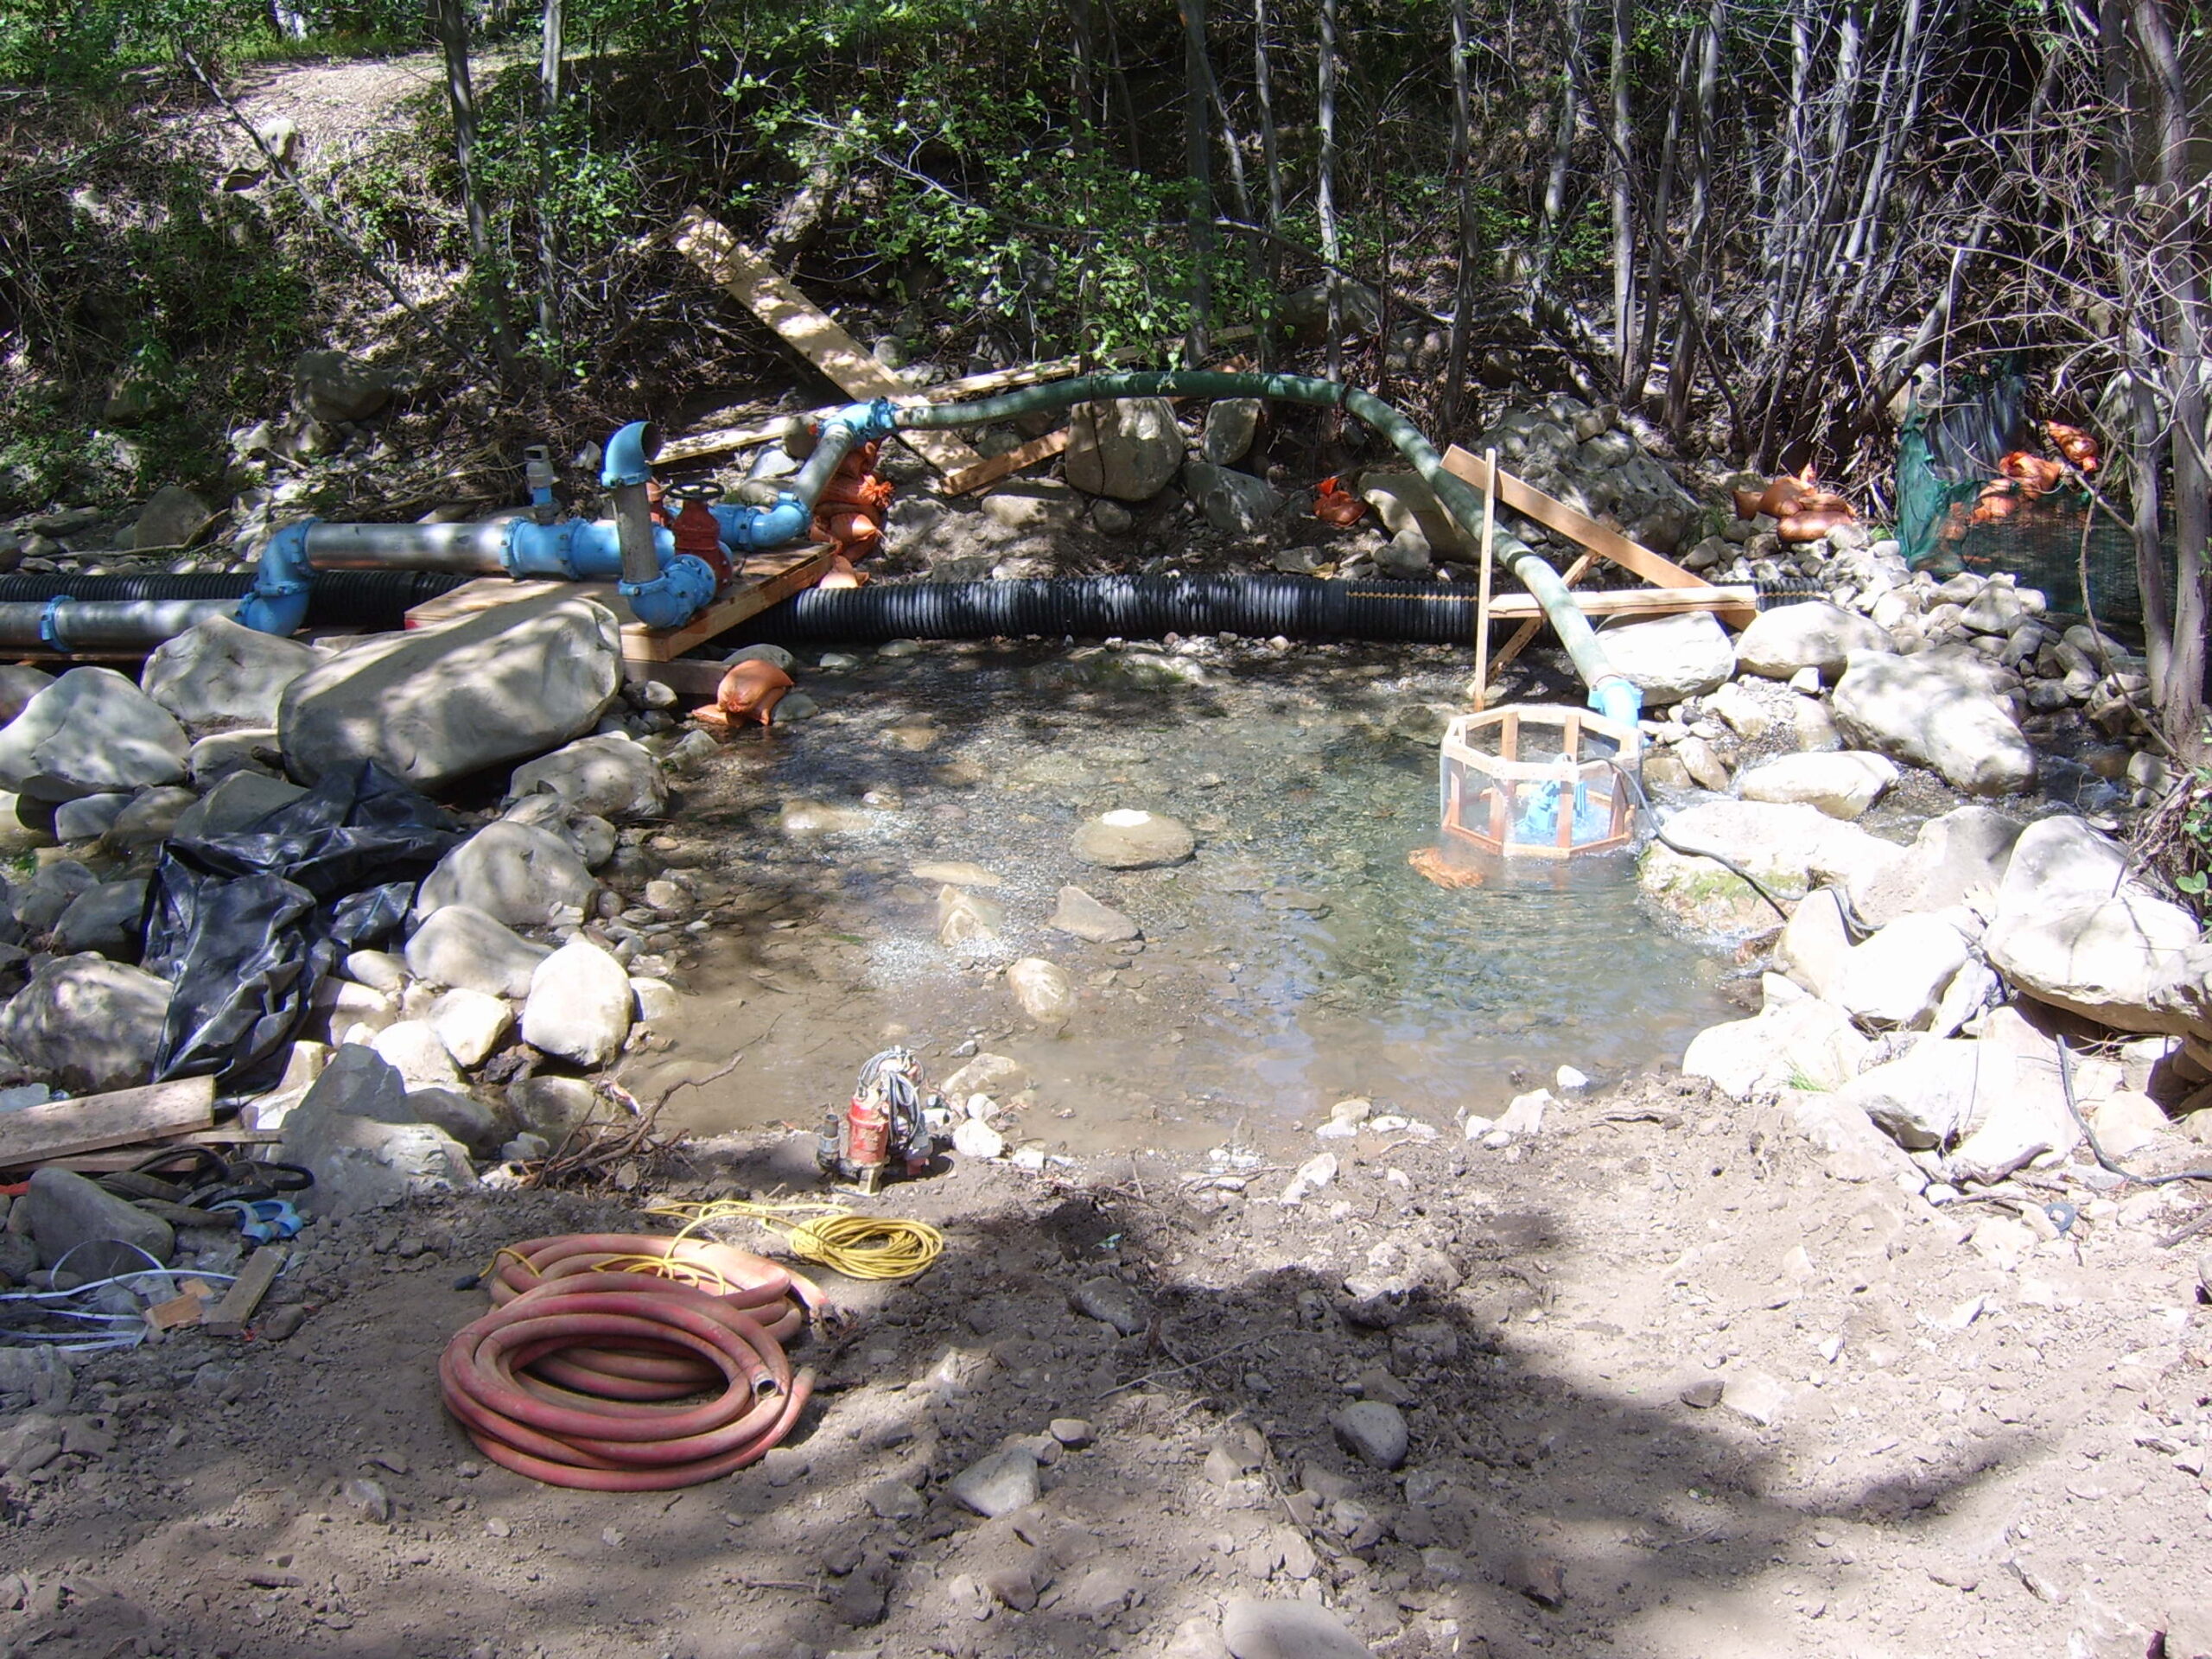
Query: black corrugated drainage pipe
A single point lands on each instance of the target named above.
(374, 601)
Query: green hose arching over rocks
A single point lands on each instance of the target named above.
(1611, 694)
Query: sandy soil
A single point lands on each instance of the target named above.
(1937, 1432)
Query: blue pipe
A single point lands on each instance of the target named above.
(283, 580)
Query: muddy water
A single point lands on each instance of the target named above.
(1297, 960)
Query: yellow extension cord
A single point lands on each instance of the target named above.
(860, 1247)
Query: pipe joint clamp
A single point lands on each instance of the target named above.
(683, 589)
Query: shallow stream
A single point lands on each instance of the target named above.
(1296, 960)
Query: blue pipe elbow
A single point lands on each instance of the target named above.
(628, 457)
(748, 529)
(283, 581)
(684, 587)
(1617, 699)
(866, 422)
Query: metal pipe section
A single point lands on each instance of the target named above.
(478, 550)
(1610, 693)
(104, 625)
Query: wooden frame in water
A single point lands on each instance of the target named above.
(1497, 790)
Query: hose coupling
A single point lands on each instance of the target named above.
(684, 588)
(866, 422)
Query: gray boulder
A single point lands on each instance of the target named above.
(39, 903)
(88, 817)
(579, 1005)
(462, 947)
(149, 820)
(99, 1234)
(1897, 975)
(1231, 425)
(1087, 918)
(1959, 858)
(1786, 849)
(18, 685)
(108, 921)
(222, 673)
(253, 749)
(436, 705)
(2059, 862)
(1129, 839)
(174, 517)
(609, 777)
(1814, 944)
(554, 1107)
(1406, 556)
(1404, 501)
(1039, 504)
(1235, 503)
(89, 1024)
(333, 386)
(1125, 447)
(1252, 1629)
(1937, 710)
(1794, 1042)
(1817, 635)
(1843, 785)
(480, 1127)
(236, 802)
(91, 733)
(2111, 960)
(518, 874)
(356, 1130)
(1670, 658)
(471, 1024)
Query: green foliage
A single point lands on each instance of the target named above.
(2191, 856)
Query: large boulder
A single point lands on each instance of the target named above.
(434, 704)
(1788, 849)
(1127, 447)
(97, 1233)
(108, 920)
(1129, 839)
(1842, 785)
(1781, 642)
(1231, 425)
(609, 777)
(356, 1131)
(1959, 858)
(1234, 503)
(579, 1005)
(333, 386)
(1989, 1105)
(236, 802)
(468, 951)
(1253, 1629)
(91, 733)
(89, 1024)
(1670, 658)
(1897, 975)
(1404, 501)
(518, 874)
(1939, 709)
(1795, 1042)
(174, 517)
(223, 674)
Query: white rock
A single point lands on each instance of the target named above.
(471, 1024)
(657, 998)
(1524, 1114)
(222, 673)
(987, 1074)
(579, 1005)
(967, 918)
(1897, 974)
(517, 873)
(1042, 988)
(1805, 1043)
(1127, 448)
(413, 1048)
(464, 948)
(1937, 710)
(1087, 918)
(1787, 848)
(1959, 858)
(1784, 642)
(91, 733)
(1403, 501)
(1843, 785)
(1253, 1629)
(973, 1138)
(2111, 961)
(1313, 1175)
(1738, 709)
(1670, 658)
(1129, 839)
(1235, 503)
(610, 777)
(434, 704)
(1814, 944)
(1229, 425)
(1568, 1079)
(1032, 504)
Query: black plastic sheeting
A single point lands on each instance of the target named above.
(247, 925)
(1131, 608)
(374, 601)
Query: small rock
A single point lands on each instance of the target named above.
(462, 947)
(1074, 1433)
(368, 1498)
(973, 1138)
(1313, 1175)
(966, 918)
(1287, 1629)
(1087, 918)
(1373, 1430)
(1042, 988)
(1128, 839)
(1703, 1395)
(1111, 1302)
(1000, 1484)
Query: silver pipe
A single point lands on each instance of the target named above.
(464, 550)
(633, 533)
(94, 625)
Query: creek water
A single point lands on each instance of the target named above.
(1296, 960)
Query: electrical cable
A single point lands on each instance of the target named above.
(2104, 1162)
(858, 1246)
(1659, 834)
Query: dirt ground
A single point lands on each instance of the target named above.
(1937, 1433)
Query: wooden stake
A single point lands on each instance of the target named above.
(231, 1316)
(1482, 601)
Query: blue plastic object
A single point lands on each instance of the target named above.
(867, 422)
(684, 588)
(1617, 699)
(262, 1220)
(625, 461)
(283, 581)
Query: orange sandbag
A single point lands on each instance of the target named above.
(2077, 446)
(750, 691)
(841, 574)
(1337, 506)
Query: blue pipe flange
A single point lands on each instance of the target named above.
(1617, 699)
(284, 580)
(49, 623)
(626, 461)
(684, 587)
(867, 422)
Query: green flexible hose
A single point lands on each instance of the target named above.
(1610, 693)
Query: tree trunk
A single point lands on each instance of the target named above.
(1617, 187)
(1198, 165)
(452, 17)
(1690, 284)
(1086, 75)
(1548, 224)
(1463, 171)
(1325, 189)
(1271, 155)
(548, 249)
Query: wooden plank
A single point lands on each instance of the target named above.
(688, 676)
(189, 1306)
(974, 478)
(39, 1134)
(230, 1317)
(807, 328)
(1633, 601)
(1482, 595)
(1530, 502)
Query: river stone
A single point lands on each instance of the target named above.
(38, 904)
(173, 517)
(251, 748)
(1231, 425)
(987, 1074)
(1042, 988)
(18, 685)
(464, 948)
(151, 819)
(232, 804)
(1959, 858)
(1404, 501)
(1234, 503)
(517, 873)
(1670, 658)
(1253, 1629)
(1127, 447)
(1087, 918)
(1813, 945)
(1000, 1484)
(78, 1218)
(610, 777)
(482, 1128)
(1373, 1430)
(553, 1108)
(471, 1024)
(1817, 635)
(1129, 839)
(89, 817)
(356, 1130)
(333, 386)
(1896, 976)
(434, 704)
(965, 918)
(89, 1024)
(1936, 710)
(110, 921)
(222, 673)
(1843, 785)
(1800, 1043)
(579, 1005)
(2109, 960)
(2059, 862)
(1789, 848)
(1043, 504)
(413, 1048)
(91, 733)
